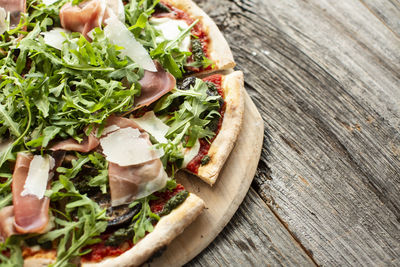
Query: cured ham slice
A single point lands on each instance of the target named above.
(15, 8)
(89, 14)
(121, 122)
(31, 213)
(154, 85)
(91, 142)
(136, 181)
(88, 144)
(128, 183)
(83, 17)
(7, 228)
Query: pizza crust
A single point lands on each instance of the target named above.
(165, 231)
(221, 147)
(169, 227)
(218, 48)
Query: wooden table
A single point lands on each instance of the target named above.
(325, 76)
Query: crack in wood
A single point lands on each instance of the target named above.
(286, 226)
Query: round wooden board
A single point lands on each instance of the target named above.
(223, 199)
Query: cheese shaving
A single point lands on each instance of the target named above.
(127, 147)
(190, 153)
(49, 2)
(153, 125)
(119, 35)
(38, 176)
(55, 38)
(170, 30)
(3, 20)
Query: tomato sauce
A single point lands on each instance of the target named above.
(197, 31)
(101, 251)
(194, 164)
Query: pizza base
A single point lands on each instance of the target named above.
(218, 48)
(221, 147)
(169, 227)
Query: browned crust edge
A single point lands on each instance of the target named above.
(232, 85)
(218, 48)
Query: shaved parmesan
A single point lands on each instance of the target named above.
(127, 147)
(55, 38)
(3, 20)
(38, 176)
(158, 183)
(49, 2)
(117, 9)
(119, 35)
(170, 30)
(153, 125)
(190, 153)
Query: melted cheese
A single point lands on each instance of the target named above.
(119, 35)
(170, 30)
(153, 125)
(127, 147)
(38, 176)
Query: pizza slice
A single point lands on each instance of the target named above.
(210, 51)
(203, 117)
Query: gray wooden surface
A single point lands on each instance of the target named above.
(325, 76)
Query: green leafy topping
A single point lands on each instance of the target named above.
(83, 220)
(143, 220)
(197, 109)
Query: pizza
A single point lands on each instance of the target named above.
(102, 102)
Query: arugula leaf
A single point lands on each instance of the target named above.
(13, 246)
(143, 220)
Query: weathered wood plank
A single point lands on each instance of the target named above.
(387, 11)
(254, 237)
(326, 77)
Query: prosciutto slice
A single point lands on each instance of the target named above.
(88, 144)
(89, 14)
(91, 142)
(15, 7)
(128, 183)
(31, 213)
(136, 181)
(154, 85)
(7, 228)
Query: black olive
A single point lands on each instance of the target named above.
(186, 83)
(162, 8)
(213, 124)
(121, 214)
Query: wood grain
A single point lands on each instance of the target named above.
(254, 237)
(325, 76)
(224, 197)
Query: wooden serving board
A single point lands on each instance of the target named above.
(223, 199)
